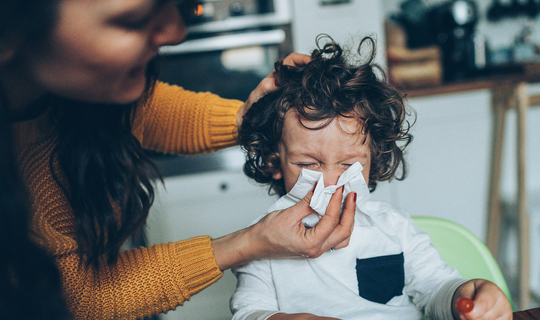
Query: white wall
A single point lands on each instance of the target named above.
(448, 160)
(347, 23)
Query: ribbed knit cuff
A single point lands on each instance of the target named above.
(222, 123)
(197, 264)
(441, 306)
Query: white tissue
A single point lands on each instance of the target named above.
(352, 179)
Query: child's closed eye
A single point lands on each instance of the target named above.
(306, 165)
(345, 166)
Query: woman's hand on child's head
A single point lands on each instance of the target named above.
(490, 302)
(296, 59)
(269, 84)
(282, 233)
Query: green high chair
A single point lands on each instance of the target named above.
(462, 250)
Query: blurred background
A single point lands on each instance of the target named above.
(445, 55)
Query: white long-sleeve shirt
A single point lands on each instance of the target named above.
(389, 270)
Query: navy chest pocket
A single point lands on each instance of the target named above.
(380, 278)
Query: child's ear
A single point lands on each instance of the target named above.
(274, 162)
(277, 174)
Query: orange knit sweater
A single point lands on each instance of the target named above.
(145, 281)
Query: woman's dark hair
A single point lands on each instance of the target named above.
(30, 286)
(29, 18)
(329, 86)
(108, 174)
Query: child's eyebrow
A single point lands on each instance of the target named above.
(306, 153)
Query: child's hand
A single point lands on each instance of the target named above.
(490, 303)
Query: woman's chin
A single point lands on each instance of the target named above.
(132, 97)
(131, 94)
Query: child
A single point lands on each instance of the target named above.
(337, 125)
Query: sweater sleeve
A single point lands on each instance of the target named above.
(144, 282)
(179, 121)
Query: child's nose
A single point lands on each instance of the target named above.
(331, 177)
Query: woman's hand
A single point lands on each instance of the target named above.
(490, 302)
(269, 84)
(281, 233)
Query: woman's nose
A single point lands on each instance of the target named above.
(170, 28)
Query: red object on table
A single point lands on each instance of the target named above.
(464, 305)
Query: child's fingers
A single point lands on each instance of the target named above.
(464, 305)
(468, 290)
(489, 300)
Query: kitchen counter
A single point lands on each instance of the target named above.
(529, 73)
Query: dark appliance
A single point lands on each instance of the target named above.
(504, 9)
(454, 25)
(231, 46)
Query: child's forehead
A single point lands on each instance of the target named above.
(350, 123)
(300, 134)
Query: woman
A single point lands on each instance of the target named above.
(76, 77)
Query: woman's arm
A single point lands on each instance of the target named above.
(179, 121)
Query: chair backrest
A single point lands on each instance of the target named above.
(462, 250)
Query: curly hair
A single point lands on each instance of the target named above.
(330, 85)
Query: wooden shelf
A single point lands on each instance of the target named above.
(508, 75)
